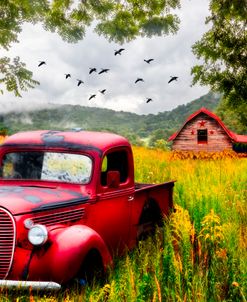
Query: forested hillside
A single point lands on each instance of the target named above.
(135, 127)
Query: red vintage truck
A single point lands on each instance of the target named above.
(68, 203)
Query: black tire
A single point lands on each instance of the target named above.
(150, 219)
(92, 269)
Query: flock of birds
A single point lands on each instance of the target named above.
(105, 70)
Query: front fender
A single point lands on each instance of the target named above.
(63, 256)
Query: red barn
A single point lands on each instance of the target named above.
(204, 131)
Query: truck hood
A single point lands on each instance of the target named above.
(19, 200)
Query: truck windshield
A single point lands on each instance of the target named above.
(51, 166)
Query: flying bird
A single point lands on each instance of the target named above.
(118, 52)
(149, 100)
(92, 70)
(103, 91)
(148, 61)
(103, 70)
(41, 63)
(92, 96)
(67, 75)
(139, 80)
(172, 79)
(79, 82)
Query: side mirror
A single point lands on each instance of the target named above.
(113, 179)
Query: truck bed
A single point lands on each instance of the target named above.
(162, 194)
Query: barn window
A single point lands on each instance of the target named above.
(202, 136)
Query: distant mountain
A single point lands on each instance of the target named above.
(129, 124)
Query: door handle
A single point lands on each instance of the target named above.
(130, 198)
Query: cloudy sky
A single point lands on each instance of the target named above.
(172, 56)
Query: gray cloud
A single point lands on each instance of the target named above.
(172, 56)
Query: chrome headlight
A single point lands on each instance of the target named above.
(38, 234)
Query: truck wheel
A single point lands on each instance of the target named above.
(92, 269)
(150, 219)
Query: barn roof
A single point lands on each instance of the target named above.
(233, 136)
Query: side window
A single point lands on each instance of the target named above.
(115, 161)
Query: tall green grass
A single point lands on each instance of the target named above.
(199, 255)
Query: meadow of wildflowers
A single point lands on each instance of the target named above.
(199, 255)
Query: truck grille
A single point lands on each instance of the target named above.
(62, 217)
(7, 242)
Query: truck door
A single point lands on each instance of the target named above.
(116, 191)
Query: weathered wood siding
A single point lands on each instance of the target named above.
(218, 140)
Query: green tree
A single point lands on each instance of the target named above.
(157, 135)
(119, 21)
(223, 49)
(232, 119)
(162, 144)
